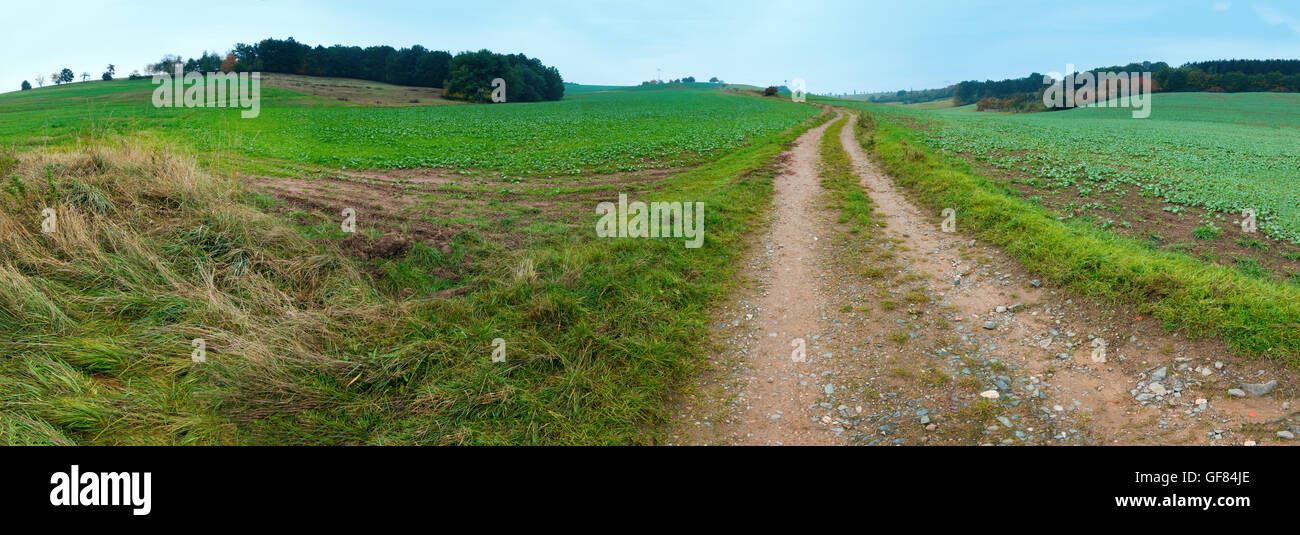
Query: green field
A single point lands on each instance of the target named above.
(584, 133)
(162, 243)
(1220, 152)
(996, 170)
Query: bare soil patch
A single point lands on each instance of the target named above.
(357, 93)
(1144, 219)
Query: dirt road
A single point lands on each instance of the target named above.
(910, 333)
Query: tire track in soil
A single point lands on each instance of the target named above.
(759, 395)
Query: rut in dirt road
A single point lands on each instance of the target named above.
(789, 308)
(766, 396)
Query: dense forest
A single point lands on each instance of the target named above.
(1220, 76)
(466, 76)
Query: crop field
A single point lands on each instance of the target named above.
(586, 134)
(1178, 180)
(590, 132)
(376, 337)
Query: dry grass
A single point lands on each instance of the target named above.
(148, 253)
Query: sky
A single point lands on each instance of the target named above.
(835, 46)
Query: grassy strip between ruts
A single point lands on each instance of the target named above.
(842, 181)
(1254, 316)
(151, 251)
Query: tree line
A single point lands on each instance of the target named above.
(1219, 76)
(66, 76)
(466, 76)
(912, 96)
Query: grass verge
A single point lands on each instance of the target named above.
(856, 209)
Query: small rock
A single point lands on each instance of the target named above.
(1001, 309)
(1160, 374)
(1237, 393)
(1260, 389)
(990, 325)
(1286, 435)
(990, 394)
(1036, 283)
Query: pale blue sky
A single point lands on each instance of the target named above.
(836, 46)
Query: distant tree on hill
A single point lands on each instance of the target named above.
(209, 62)
(40, 80)
(432, 68)
(85, 76)
(527, 79)
(54, 77)
(472, 73)
(689, 79)
(66, 76)
(771, 90)
(26, 85)
(714, 80)
(165, 65)
(229, 63)
(246, 58)
(109, 72)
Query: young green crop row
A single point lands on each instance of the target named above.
(600, 132)
(604, 132)
(1224, 153)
